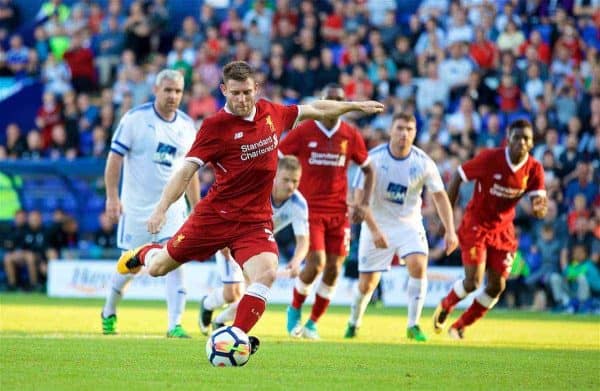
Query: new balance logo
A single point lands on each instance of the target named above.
(238, 135)
(270, 233)
(497, 177)
(312, 144)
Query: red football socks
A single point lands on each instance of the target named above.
(472, 314)
(298, 299)
(319, 307)
(450, 301)
(249, 311)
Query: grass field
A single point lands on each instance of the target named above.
(55, 344)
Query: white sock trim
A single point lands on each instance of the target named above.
(485, 300)
(259, 290)
(325, 291)
(459, 289)
(302, 288)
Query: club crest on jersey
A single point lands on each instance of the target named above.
(396, 193)
(344, 146)
(238, 135)
(312, 144)
(178, 240)
(524, 183)
(269, 122)
(164, 154)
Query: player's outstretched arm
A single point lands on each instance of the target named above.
(323, 109)
(360, 207)
(444, 210)
(302, 245)
(171, 193)
(112, 177)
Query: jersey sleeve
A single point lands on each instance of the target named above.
(433, 179)
(536, 182)
(358, 181)
(475, 168)
(124, 136)
(287, 116)
(205, 147)
(360, 155)
(300, 221)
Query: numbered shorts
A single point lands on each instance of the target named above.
(132, 230)
(205, 232)
(494, 248)
(329, 233)
(403, 239)
(229, 270)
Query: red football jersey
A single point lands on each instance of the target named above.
(244, 154)
(325, 155)
(499, 186)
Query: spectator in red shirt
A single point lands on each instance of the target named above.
(284, 11)
(201, 104)
(542, 48)
(509, 94)
(47, 116)
(81, 62)
(333, 26)
(483, 51)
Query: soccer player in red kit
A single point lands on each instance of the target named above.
(486, 234)
(325, 149)
(241, 142)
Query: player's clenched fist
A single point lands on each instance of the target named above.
(113, 208)
(539, 206)
(451, 242)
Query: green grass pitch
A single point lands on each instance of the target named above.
(55, 344)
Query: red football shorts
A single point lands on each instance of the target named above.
(495, 248)
(204, 233)
(329, 233)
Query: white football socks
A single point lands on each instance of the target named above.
(115, 293)
(417, 289)
(358, 306)
(214, 299)
(176, 296)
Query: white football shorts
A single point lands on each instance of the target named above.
(404, 239)
(132, 231)
(229, 270)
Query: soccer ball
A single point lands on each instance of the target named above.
(228, 346)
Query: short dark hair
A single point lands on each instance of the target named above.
(404, 116)
(238, 71)
(519, 124)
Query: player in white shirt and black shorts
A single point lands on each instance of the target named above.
(289, 209)
(395, 224)
(149, 145)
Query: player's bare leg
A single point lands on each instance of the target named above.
(324, 293)
(314, 264)
(261, 271)
(417, 289)
(367, 282)
(473, 278)
(485, 301)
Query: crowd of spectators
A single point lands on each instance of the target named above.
(465, 68)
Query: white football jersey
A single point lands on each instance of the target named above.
(399, 184)
(293, 211)
(152, 150)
